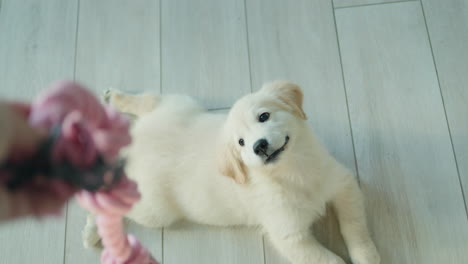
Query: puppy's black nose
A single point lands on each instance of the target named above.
(261, 146)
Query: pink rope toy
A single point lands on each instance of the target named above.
(89, 131)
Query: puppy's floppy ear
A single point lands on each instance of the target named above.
(231, 165)
(288, 93)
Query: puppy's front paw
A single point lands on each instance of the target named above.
(330, 260)
(337, 261)
(326, 258)
(365, 254)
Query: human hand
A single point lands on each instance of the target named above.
(18, 137)
(19, 140)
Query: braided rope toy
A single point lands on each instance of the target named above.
(110, 207)
(91, 136)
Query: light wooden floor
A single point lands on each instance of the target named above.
(385, 88)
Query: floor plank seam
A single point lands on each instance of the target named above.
(219, 108)
(160, 48)
(263, 247)
(375, 4)
(445, 110)
(65, 234)
(162, 243)
(346, 95)
(74, 78)
(248, 44)
(76, 38)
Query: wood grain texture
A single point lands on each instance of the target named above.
(189, 243)
(402, 143)
(448, 30)
(355, 3)
(37, 41)
(204, 50)
(118, 45)
(37, 45)
(297, 42)
(32, 241)
(75, 252)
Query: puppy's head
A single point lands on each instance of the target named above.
(261, 129)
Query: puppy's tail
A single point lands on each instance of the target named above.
(135, 105)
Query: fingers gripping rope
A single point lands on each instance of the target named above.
(91, 132)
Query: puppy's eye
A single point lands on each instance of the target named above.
(241, 142)
(263, 117)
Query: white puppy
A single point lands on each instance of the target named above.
(259, 165)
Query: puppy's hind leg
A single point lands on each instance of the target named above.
(91, 238)
(349, 207)
(133, 104)
(302, 248)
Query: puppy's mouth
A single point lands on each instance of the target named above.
(273, 156)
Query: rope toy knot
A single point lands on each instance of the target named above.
(90, 134)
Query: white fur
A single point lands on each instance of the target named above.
(180, 153)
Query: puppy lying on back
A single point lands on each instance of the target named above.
(259, 165)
